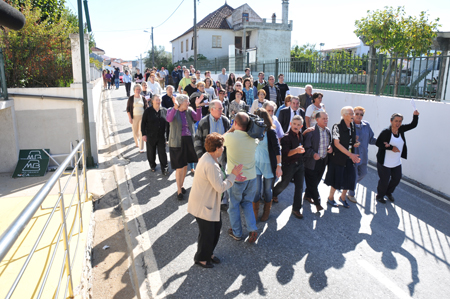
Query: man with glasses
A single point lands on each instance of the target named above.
(225, 103)
(214, 122)
(273, 93)
(365, 136)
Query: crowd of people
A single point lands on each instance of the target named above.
(205, 126)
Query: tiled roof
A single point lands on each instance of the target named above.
(97, 49)
(215, 20)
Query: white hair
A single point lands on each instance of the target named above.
(213, 103)
(308, 85)
(181, 98)
(169, 86)
(344, 110)
(271, 104)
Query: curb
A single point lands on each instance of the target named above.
(143, 263)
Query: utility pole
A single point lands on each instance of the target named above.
(153, 51)
(87, 132)
(195, 34)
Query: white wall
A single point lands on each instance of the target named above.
(54, 123)
(273, 44)
(428, 143)
(205, 43)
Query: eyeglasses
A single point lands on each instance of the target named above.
(219, 109)
(359, 114)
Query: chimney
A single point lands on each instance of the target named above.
(285, 11)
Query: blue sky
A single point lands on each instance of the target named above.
(119, 25)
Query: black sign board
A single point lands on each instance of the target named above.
(32, 163)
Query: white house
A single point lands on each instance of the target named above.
(357, 49)
(228, 26)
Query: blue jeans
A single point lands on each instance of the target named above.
(117, 81)
(242, 195)
(361, 172)
(267, 188)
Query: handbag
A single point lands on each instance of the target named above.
(256, 127)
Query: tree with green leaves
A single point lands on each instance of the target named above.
(391, 32)
(38, 55)
(304, 58)
(51, 10)
(162, 58)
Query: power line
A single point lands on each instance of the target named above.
(170, 15)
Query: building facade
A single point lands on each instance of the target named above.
(241, 27)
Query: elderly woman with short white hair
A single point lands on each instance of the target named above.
(341, 171)
(182, 119)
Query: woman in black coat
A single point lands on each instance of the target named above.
(153, 129)
(267, 164)
(341, 173)
(391, 148)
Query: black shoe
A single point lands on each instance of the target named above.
(183, 190)
(180, 196)
(391, 198)
(165, 172)
(207, 265)
(224, 207)
(215, 260)
(381, 199)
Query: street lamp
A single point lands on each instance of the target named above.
(153, 51)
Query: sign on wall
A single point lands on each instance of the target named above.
(31, 163)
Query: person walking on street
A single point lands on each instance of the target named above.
(247, 75)
(223, 77)
(215, 122)
(153, 84)
(317, 106)
(204, 200)
(306, 98)
(127, 80)
(317, 146)
(241, 150)
(153, 129)
(268, 165)
(284, 88)
(145, 93)
(391, 145)
(365, 136)
(136, 106)
(162, 77)
(341, 170)
(138, 78)
(175, 78)
(292, 151)
(182, 120)
(184, 81)
(117, 77)
(230, 84)
(108, 77)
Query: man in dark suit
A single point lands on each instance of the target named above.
(317, 146)
(288, 113)
(273, 93)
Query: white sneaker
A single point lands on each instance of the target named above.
(351, 198)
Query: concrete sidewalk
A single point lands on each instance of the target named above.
(15, 196)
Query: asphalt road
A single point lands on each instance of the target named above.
(370, 250)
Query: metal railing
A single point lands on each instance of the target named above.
(424, 77)
(65, 233)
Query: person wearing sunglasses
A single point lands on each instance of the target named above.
(364, 136)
